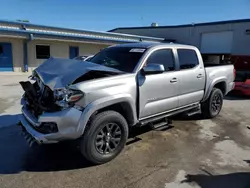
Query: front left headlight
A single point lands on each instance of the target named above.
(67, 97)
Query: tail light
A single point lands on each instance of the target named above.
(234, 73)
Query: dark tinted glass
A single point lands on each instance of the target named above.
(164, 57)
(1, 50)
(187, 58)
(121, 58)
(42, 52)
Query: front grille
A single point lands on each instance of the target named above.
(38, 99)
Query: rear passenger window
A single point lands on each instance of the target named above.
(164, 57)
(187, 58)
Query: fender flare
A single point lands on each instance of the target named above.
(211, 86)
(102, 103)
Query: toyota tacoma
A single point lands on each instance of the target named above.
(126, 85)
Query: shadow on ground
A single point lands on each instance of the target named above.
(8, 120)
(16, 156)
(184, 117)
(234, 180)
(233, 96)
(247, 161)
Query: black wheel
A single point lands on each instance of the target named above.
(105, 137)
(212, 106)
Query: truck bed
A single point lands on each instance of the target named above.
(219, 73)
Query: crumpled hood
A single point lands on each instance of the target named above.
(58, 73)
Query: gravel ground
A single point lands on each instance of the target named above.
(193, 153)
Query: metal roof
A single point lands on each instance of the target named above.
(152, 44)
(185, 25)
(35, 30)
(138, 45)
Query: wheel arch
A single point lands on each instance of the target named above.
(123, 104)
(220, 83)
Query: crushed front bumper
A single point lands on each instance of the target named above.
(67, 122)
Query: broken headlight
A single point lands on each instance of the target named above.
(67, 97)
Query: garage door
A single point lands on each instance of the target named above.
(6, 57)
(217, 43)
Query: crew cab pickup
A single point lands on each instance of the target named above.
(97, 102)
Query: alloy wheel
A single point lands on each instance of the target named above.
(108, 138)
(216, 103)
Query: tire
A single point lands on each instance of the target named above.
(93, 144)
(208, 107)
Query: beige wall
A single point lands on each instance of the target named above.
(90, 49)
(59, 49)
(17, 52)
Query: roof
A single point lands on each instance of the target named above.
(32, 31)
(151, 44)
(185, 25)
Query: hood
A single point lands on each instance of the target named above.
(58, 73)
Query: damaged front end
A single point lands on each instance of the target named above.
(50, 113)
(38, 99)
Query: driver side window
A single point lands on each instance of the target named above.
(164, 57)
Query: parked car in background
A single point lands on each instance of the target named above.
(242, 79)
(242, 88)
(84, 57)
(97, 102)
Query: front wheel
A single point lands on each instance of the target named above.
(212, 106)
(105, 137)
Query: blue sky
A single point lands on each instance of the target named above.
(108, 14)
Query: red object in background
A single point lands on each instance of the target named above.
(242, 88)
(242, 80)
(241, 62)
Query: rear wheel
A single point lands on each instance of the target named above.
(212, 106)
(105, 137)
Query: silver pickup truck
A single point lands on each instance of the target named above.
(97, 102)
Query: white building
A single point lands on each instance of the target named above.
(216, 40)
(23, 46)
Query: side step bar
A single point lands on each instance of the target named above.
(161, 125)
(162, 116)
(194, 111)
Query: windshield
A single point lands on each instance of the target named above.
(122, 58)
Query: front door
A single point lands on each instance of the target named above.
(6, 57)
(158, 93)
(73, 52)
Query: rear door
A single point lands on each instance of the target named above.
(159, 92)
(191, 76)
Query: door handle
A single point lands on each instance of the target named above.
(173, 80)
(199, 76)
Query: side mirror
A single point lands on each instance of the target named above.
(153, 69)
